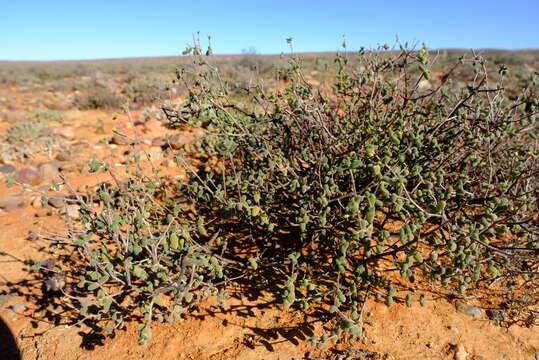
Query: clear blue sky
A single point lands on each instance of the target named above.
(86, 29)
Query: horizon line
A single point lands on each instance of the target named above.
(249, 54)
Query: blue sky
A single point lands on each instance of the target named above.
(78, 29)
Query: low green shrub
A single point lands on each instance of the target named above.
(326, 199)
(48, 116)
(381, 176)
(25, 131)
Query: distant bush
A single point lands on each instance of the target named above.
(326, 200)
(97, 97)
(145, 90)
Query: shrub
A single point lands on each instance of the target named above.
(332, 198)
(97, 97)
(152, 112)
(26, 131)
(145, 90)
(341, 190)
(28, 138)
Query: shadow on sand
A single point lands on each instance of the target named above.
(8, 345)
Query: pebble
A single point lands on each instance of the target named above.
(42, 212)
(56, 283)
(118, 139)
(30, 176)
(179, 141)
(453, 329)
(7, 169)
(49, 169)
(461, 353)
(63, 156)
(469, 310)
(155, 154)
(537, 356)
(424, 84)
(153, 124)
(81, 144)
(158, 141)
(12, 203)
(70, 166)
(496, 315)
(56, 201)
(71, 211)
(36, 202)
(5, 299)
(18, 308)
(66, 132)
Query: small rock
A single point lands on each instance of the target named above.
(56, 283)
(496, 315)
(453, 329)
(18, 308)
(7, 169)
(118, 139)
(42, 212)
(63, 156)
(5, 299)
(179, 141)
(12, 203)
(36, 202)
(71, 211)
(461, 353)
(153, 124)
(155, 154)
(158, 141)
(537, 356)
(81, 144)
(49, 169)
(30, 176)
(424, 84)
(70, 166)
(469, 310)
(66, 132)
(56, 201)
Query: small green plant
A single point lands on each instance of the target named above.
(152, 112)
(48, 116)
(26, 131)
